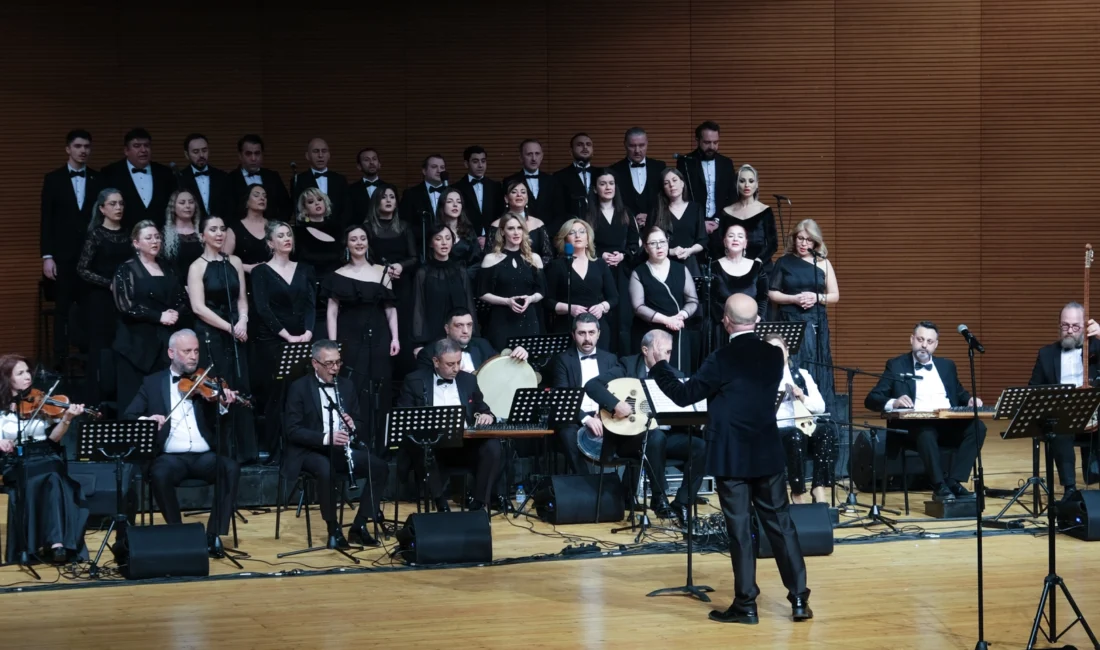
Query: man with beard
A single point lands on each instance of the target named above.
(204, 181)
(576, 179)
(360, 193)
(1063, 363)
(543, 194)
(638, 176)
(917, 381)
(459, 328)
(709, 174)
(250, 153)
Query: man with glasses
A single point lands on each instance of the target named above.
(322, 409)
(1063, 363)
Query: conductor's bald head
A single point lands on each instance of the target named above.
(740, 314)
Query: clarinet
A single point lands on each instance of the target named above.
(340, 411)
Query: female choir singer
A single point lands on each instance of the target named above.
(317, 243)
(181, 245)
(683, 220)
(441, 285)
(55, 509)
(662, 293)
(756, 217)
(511, 282)
(247, 235)
(394, 246)
(619, 241)
(581, 285)
(515, 201)
(733, 273)
(452, 214)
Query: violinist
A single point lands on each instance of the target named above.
(55, 506)
(186, 442)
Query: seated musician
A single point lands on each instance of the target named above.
(322, 409)
(573, 368)
(186, 441)
(663, 442)
(1063, 363)
(936, 386)
(799, 385)
(56, 511)
(447, 384)
(475, 350)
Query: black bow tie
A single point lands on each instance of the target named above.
(634, 164)
(440, 382)
(367, 183)
(136, 170)
(435, 190)
(317, 174)
(205, 172)
(534, 176)
(476, 181)
(324, 385)
(80, 173)
(920, 366)
(586, 357)
(176, 379)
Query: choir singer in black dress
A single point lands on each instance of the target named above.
(683, 220)
(181, 244)
(754, 215)
(441, 286)
(516, 203)
(319, 243)
(511, 281)
(322, 411)
(662, 293)
(581, 283)
(740, 382)
(734, 273)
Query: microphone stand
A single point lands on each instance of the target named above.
(293, 185)
(225, 552)
(779, 204)
(979, 492)
(569, 290)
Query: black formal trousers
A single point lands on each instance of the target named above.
(169, 470)
(485, 455)
(66, 294)
(677, 446)
(822, 446)
(319, 464)
(567, 438)
(768, 496)
(927, 439)
(1065, 458)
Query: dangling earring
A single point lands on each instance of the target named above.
(347, 254)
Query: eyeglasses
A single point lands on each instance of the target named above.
(657, 244)
(804, 240)
(577, 233)
(335, 363)
(1075, 327)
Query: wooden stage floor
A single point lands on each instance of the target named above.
(915, 592)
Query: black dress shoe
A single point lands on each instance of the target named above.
(1068, 493)
(942, 493)
(441, 505)
(736, 614)
(661, 507)
(59, 555)
(800, 609)
(336, 540)
(701, 501)
(474, 504)
(959, 491)
(359, 536)
(682, 513)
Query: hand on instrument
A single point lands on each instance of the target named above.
(797, 393)
(577, 310)
(597, 310)
(169, 317)
(229, 396)
(7, 446)
(395, 347)
(711, 226)
(594, 425)
(348, 421)
(483, 418)
(159, 419)
(519, 354)
(49, 268)
(622, 410)
(972, 399)
(340, 438)
(903, 402)
(240, 330)
(73, 411)
(1093, 330)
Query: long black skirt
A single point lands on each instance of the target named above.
(56, 509)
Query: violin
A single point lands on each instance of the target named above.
(54, 407)
(209, 388)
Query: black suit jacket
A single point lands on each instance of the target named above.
(565, 369)
(632, 366)
(548, 205)
(724, 181)
(893, 386)
(63, 223)
(305, 418)
(337, 193)
(1048, 364)
(419, 390)
(646, 201)
(416, 210)
(574, 196)
(740, 381)
(359, 199)
(492, 201)
(117, 175)
(278, 199)
(153, 398)
(480, 351)
(221, 202)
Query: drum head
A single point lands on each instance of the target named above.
(589, 444)
(499, 377)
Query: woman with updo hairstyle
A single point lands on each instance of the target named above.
(442, 284)
(754, 215)
(511, 281)
(247, 236)
(516, 200)
(732, 273)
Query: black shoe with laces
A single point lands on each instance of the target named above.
(942, 493)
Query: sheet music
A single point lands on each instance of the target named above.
(662, 403)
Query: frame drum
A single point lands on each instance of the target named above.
(499, 377)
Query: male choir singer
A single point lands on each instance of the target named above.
(747, 460)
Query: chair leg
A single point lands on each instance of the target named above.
(309, 529)
(301, 498)
(236, 542)
(599, 493)
(281, 486)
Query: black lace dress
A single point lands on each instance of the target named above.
(510, 277)
(439, 288)
(103, 251)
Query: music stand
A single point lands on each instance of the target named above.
(1066, 410)
(549, 408)
(130, 440)
(427, 427)
(791, 331)
(540, 349)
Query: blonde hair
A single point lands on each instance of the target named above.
(312, 192)
(563, 232)
(814, 233)
(524, 246)
(170, 239)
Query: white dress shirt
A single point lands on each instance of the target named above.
(252, 179)
(433, 196)
(708, 180)
(479, 192)
(814, 403)
(638, 175)
(203, 183)
(183, 431)
(1073, 367)
(322, 181)
(532, 182)
(143, 182)
(589, 370)
(467, 362)
(327, 393)
(585, 174)
(445, 394)
(80, 183)
(371, 188)
(931, 393)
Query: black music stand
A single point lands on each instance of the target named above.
(427, 427)
(291, 365)
(129, 440)
(1043, 414)
(667, 412)
(540, 349)
(791, 331)
(550, 408)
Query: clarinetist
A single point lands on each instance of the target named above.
(322, 409)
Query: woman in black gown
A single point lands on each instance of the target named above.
(215, 286)
(247, 236)
(515, 200)
(181, 245)
(733, 273)
(283, 297)
(581, 285)
(755, 216)
(393, 245)
(442, 284)
(150, 301)
(662, 294)
(683, 220)
(802, 285)
(620, 243)
(511, 282)
(56, 512)
(451, 213)
(362, 317)
(317, 242)
(106, 246)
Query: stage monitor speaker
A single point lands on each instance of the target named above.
(813, 526)
(164, 551)
(572, 499)
(97, 481)
(1080, 516)
(446, 538)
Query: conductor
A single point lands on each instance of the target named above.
(747, 460)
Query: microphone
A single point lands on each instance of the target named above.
(780, 197)
(678, 156)
(813, 251)
(973, 342)
(444, 176)
(569, 250)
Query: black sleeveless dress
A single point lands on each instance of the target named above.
(667, 298)
(760, 230)
(723, 285)
(510, 277)
(793, 275)
(361, 327)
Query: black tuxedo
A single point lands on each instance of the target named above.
(117, 175)
(725, 190)
(548, 205)
(63, 226)
(492, 207)
(646, 202)
(279, 207)
(221, 201)
(305, 420)
(480, 351)
(574, 195)
(565, 372)
(337, 193)
(168, 470)
(416, 209)
(1048, 370)
(925, 436)
(359, 198)
(485, 453)
(746, 455)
